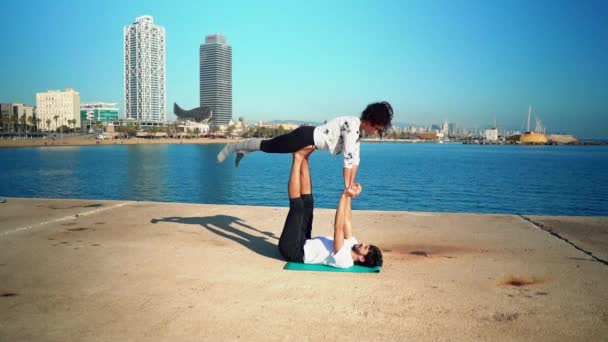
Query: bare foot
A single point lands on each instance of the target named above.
(306, 151)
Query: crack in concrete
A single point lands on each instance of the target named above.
(550, 231)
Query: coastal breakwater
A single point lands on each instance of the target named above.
(101, 270)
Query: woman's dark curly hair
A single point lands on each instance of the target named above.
(378, 114)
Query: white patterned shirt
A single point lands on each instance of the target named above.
(340, 135)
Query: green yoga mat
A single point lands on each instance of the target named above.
(296, 266)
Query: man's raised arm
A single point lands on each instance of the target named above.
(342, 227)
(349, 175)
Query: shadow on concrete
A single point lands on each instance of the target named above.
(233, 228)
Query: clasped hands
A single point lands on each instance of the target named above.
(353, 190)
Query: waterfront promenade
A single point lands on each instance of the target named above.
(87, 270)
(92, 141)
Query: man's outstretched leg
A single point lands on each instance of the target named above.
(306, 191)
(291, 242)
(299, 218)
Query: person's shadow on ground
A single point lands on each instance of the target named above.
(223, 224)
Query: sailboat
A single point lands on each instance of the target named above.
(533, 137)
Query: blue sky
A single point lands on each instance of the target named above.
(467, 62)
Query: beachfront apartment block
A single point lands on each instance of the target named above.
(216, 78)
(144, 71)
(13, 114)
(56, 108)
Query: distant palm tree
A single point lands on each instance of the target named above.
(22, 121)
(11, 122)
(38, 120)
(4, 122)
(31, 121)
(48, 124)
(56, 117)
(229, 131)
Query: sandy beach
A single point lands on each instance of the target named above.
(84, 270)
(92, 141)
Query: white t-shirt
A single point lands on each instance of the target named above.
(320, 250)
(340, 135)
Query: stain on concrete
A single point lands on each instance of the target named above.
(541, 293)
(95, 245)
(59, 207)
(69, 224)
(504, 317)
(8, 294)
(518, 281)
(79, 229)
(424, 251)
(100, 223)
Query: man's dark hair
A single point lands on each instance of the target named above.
(373, 257)
(378, 114)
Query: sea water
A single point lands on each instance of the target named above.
(511, 179)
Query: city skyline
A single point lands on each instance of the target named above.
(466, 62)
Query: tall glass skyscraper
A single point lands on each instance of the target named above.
(216, 78)
(144, 56)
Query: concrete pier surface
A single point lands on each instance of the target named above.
(87, 270)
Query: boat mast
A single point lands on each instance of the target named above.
(529, 110)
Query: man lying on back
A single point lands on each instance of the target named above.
(296, 244)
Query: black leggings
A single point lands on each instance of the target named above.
(298, 227)
(291, 142)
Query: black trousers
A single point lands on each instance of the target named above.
(297, 228)
(291, 142)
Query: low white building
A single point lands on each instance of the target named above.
(445, 128)
(56, 108)
(288, 126)
(191, 126)
(491, 134)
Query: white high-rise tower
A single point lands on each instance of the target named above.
(144, 55)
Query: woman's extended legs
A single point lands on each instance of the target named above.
(291, 142)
